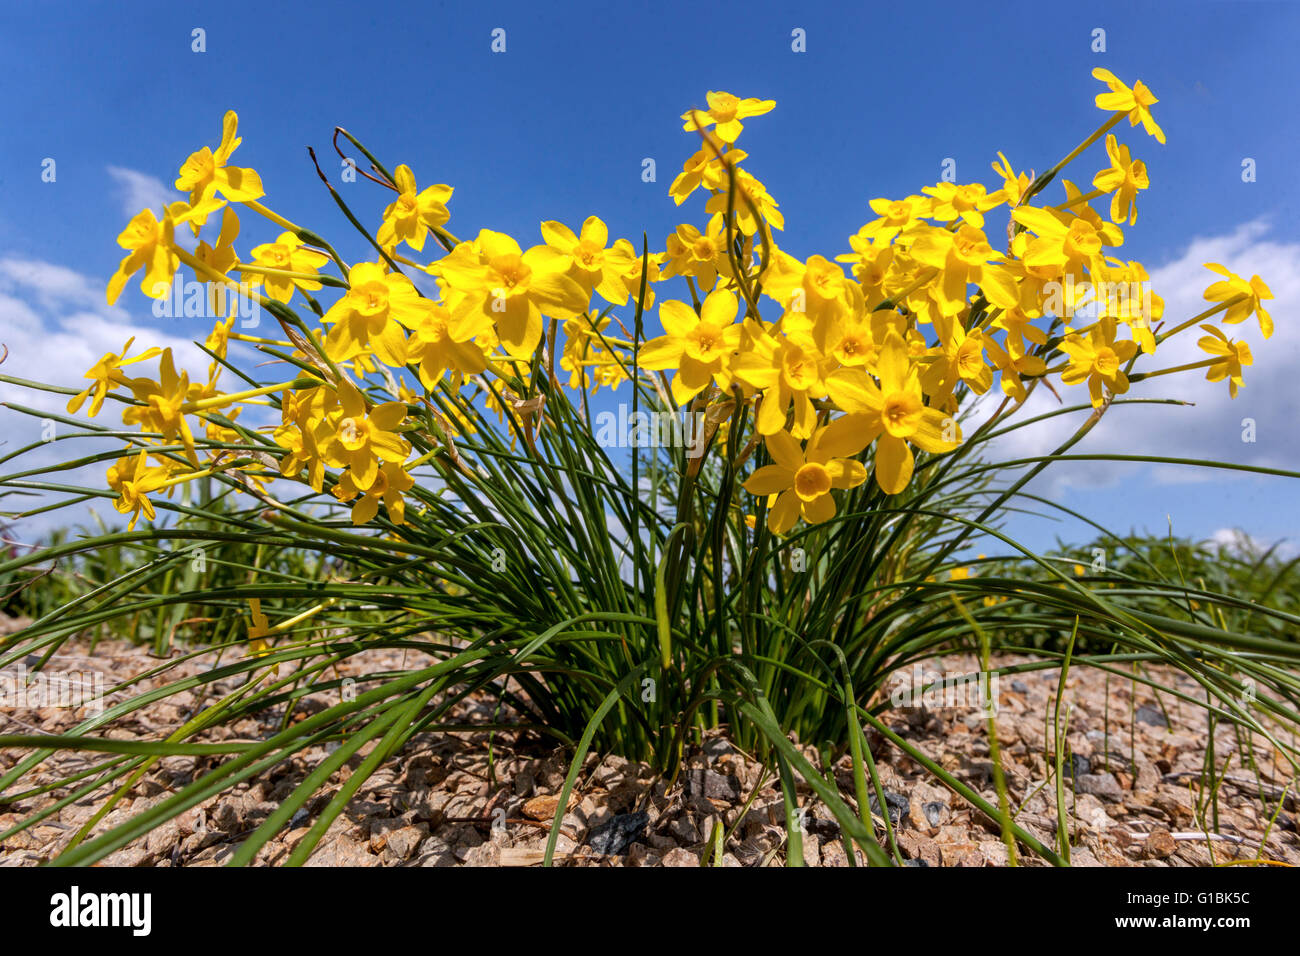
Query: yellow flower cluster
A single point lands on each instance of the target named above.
(874, 358)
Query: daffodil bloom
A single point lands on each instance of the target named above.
(221, 258)
(1012, 366)
(1232, 355)
(387, 488)
(1124, 178)
(893, 412)
(409, 218)
(958, 358)
(699, 347)
(105, 374)
(370, 315)
(802, 480)
(1019, 325)
(964, 257)
(1125, 293)
(968, 202)
(1253, 291)
(705, 168)
(1098, 359)
(361, 438)
(747, 187)
(590, 264)
(1013, 185)
(259, 629)
(702, 256)
(439, 344)
(895, 215)
(1136, 102)
(150, 245)
(872, 259)
(162, 404)
(817, 296)
(286, 254)
(726, 111)
(1063, 243)
(134, 485)
(494, 276)
(790, 371)
(204, 173)
(625, 262)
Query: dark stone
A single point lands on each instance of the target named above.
(933, 812)
(915, 862)
(897, 803)
(1151, 715)
(712, 785)
(1019, 687)
(613, 838)
(1077, 765)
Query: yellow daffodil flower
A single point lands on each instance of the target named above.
(726, 111)
(1255, 291)
(699, 347)
(1233, 356)
(893, 412)
(409, 218)
(802, 480)
(1136, 102)
(1098, 359)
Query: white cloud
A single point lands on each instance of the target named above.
(1210, 428)
(138, 190)
(56, 325)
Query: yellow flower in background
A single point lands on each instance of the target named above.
(205, 174)
(624, 262)
(1014, 185)
(1136, 102)
(1124, 178)
(964, 257)
(221, 258)
(701, 255)
(747, 187)
(698, 346)
(894, 412)
(369, 316)
(802, 481)
(704, 168)
(1233, 356)
(105, 374)
(162, 404)
(134, 484)
(287, 254)
(360, 438)
(1254, 292)
(968, 202)
(895, 215)
(726, 111)
(389, 484)
(150, 245)
(959, 357)
(439, 344)
(409, 218)
(1097, 359)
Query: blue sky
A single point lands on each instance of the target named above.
(557, 127)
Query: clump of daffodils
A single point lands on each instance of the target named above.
(840, 368)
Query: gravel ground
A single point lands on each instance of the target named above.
(1132, 799)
